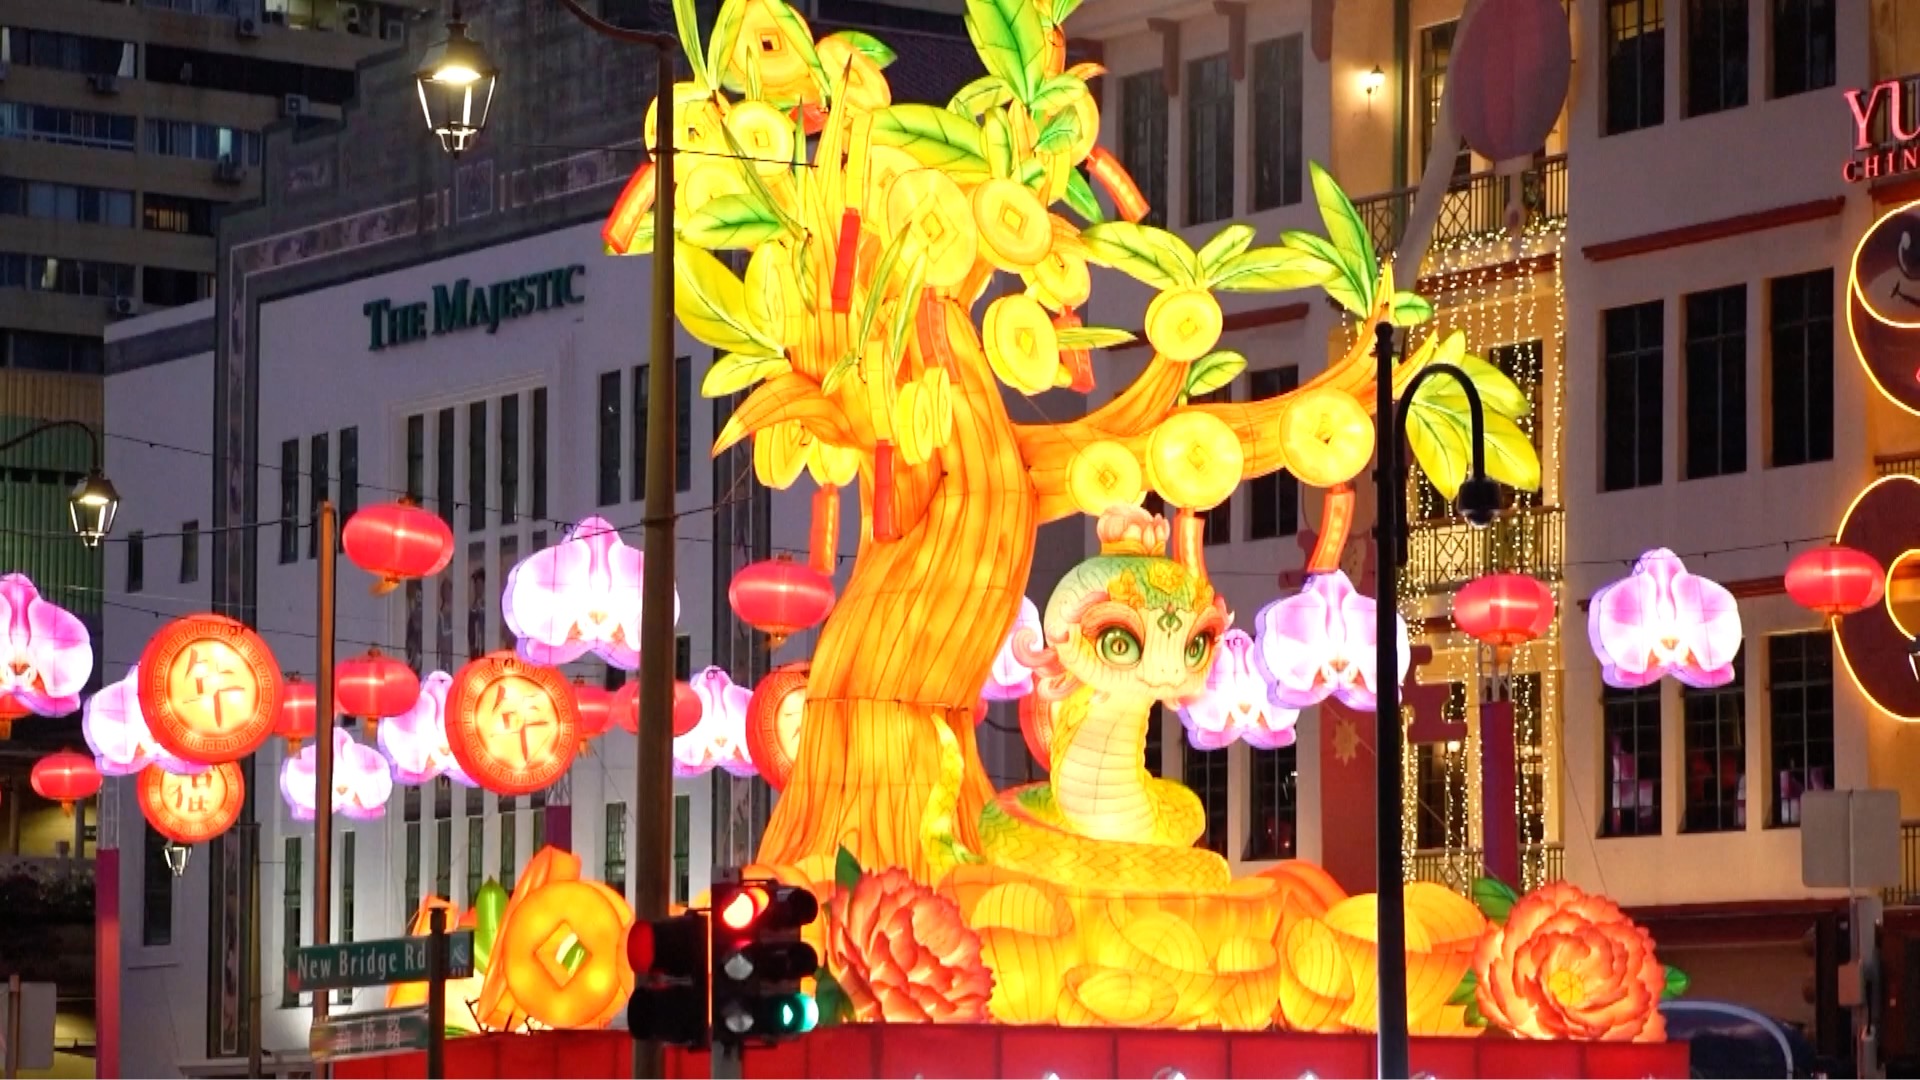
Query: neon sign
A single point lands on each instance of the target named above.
(1898, 152)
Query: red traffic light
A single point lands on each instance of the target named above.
(743, 907)
(640, 947)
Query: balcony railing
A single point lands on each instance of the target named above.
(1475, 205)
(1447, 554)
(1907, 893)
(1458, 870)
(1903, 464)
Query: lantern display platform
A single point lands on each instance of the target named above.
(969, 1050)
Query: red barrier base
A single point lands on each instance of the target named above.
(957, 1051)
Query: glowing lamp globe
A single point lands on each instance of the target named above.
(375, 685)
(780, 597)
(1504, 610)
(66, 778)
(396, 542)
(299, 712)
(1836, 581)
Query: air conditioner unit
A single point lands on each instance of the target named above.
(393, 30)
(294, 105)
(104, 84)
(229, 171)
(247, 26)
(125, 305)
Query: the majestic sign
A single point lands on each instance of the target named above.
(466, 306)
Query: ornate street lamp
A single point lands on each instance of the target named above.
(456, 80)
(94, 501)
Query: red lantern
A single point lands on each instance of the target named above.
(1504, 610)
(11, 710)
(192, 809)
(513, 726)
(596, 708)
(774, 716)
(375, 685)
(1509, 77)
(397, 541)
(66, 778)
(686, 708)
(780, 597)
(299, 712)
(209, 689)
(1836, 581)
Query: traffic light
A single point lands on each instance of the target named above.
(759, 960)
(669, 1003)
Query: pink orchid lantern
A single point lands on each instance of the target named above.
(48, 652)
(1237, 703)
(1319, 643)
(578, 596)
(361, 783)
(1011, 680)
(1661, 620)
(415, 742)
(117, 733)
(720, 738)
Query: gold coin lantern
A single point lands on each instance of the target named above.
(209, 689)
(192, 809)
(513, 726)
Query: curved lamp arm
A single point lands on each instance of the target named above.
(620, 33)
(93, 436)
(1475, 411)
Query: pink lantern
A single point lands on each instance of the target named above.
(720, 738)
(1319, 643)
(1661, 620)
(1010, 679)
(48, 654)
(1510, 74)
(117, 733)
(580, 595)
(416, 740)
(361, 783)
(1237, 703)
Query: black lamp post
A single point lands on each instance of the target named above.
(1479, 502)
(94, 502)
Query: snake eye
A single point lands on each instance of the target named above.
(1117, 645)
(1199, 649)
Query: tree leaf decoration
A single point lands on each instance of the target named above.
(732, 221)
(1081, 198)
(980, 95)
(1494, 898)
(1271, 269)
(711, 304)
(1152, 255)
(866, 45)
(1213, 371)
(1227, 244)
(686, 23)
(1011, 42)
(1091, 337)
(936, 138)
(1346, 232)
(734, 372)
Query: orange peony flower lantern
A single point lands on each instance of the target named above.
(299, 712)
(513, 726)
(686, 708)
(209, 689)
(66, 778)
(192, 809)
(397, 541)
(780, 597)
(1569, 965)
(1836, 581)
(375, 686)
(774, 716)
(1504, 610)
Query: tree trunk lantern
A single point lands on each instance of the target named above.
(66, 777)
(781, 597)
(375, 686)
(1512, 64)
(1504, 611)
(1835, 581)
(396, 542)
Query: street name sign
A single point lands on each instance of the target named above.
(354, 964)
(369, 1034)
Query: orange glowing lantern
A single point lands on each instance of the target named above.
(686, 708)
(513, 726)
(209, 689)
(192, 809)
(773, 722)
(596, 707)
(66, 778)
(1504, 610)
(1836, 580)
(299, 712)
(397, 541)
(780, 597)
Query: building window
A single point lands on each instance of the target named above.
(1715, 740)
(1716, 55)
(1277, 122)
(613, 848)
(1632, 416)
(538, 437)
(241, 73)
(1209, 96)
(65, 202)
(609, 416)
(1216, 525)
(443, 464)
(177, 214)
(1273, 500)
(292, 891)
(509, 459)
(476, 466)
(66, 353)
(74, 277)
(1800, 718)
(410, 813)
(1630, 726)
(289, 500)
(1436, 52)
(349, 472)
(1803, 46)
(476, 854)
(136, 561)
(189, 552)
(347, 861)
(67, 127)
(1636, 65)
(509, 836)
(321, 491)
(156, 884)
(1716, 403)
(1800, 396)
(1430, 796)
(682, 848)
(1205, 772)
(59, 51)
(1143, 139)
(202, 142)
(682, 424)
(417, 458)
(161, 287)
(442, 837)
(538, 802)
(1271, 806)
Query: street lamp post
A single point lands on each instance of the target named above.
(94, 502)
(1479, 502)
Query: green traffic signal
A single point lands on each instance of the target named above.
(798, 1014)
